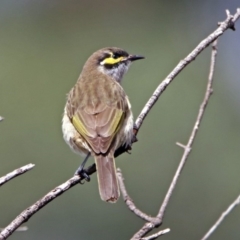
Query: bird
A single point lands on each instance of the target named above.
(97, 117)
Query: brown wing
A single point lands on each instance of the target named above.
(98, 128)
(98, 120)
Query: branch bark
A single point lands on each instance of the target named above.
(221, 218)
(15, 173)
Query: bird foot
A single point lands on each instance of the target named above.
(83, 174)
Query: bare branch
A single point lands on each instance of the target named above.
(180, 145)
(15, 173)
(228, 23)
(187, 149)
(156, 235)
(222, 217)
(129, 202)
(30, 211)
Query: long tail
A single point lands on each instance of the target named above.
(107, 177)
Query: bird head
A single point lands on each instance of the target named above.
(111, 61)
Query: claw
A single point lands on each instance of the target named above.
(83, 174)
(86, 176)
(82, 181)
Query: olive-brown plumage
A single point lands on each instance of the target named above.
(98, 117)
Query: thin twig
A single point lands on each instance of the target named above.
(15, 173)
(20, 229)
(187, 149)
(222, 217)
(129, 202)
(156, 235)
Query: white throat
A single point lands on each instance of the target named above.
(116, 72)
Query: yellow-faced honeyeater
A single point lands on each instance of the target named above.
(97, 117)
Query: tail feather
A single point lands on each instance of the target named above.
(107, 177)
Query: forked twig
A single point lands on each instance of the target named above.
(187, 149)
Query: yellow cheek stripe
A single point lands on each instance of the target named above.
(111, 60)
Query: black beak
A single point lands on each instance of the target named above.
(135, 57)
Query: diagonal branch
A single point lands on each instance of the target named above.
(187, 149)
(15, 173)
(222, 217)
(223, 26)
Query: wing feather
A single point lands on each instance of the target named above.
(98, 128)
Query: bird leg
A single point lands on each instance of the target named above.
(81, 171)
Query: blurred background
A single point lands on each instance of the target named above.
(43, 46)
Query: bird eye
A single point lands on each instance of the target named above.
(115, 55)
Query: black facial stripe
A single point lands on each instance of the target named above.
(120, 54)
(110, 66)
(114, 54)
